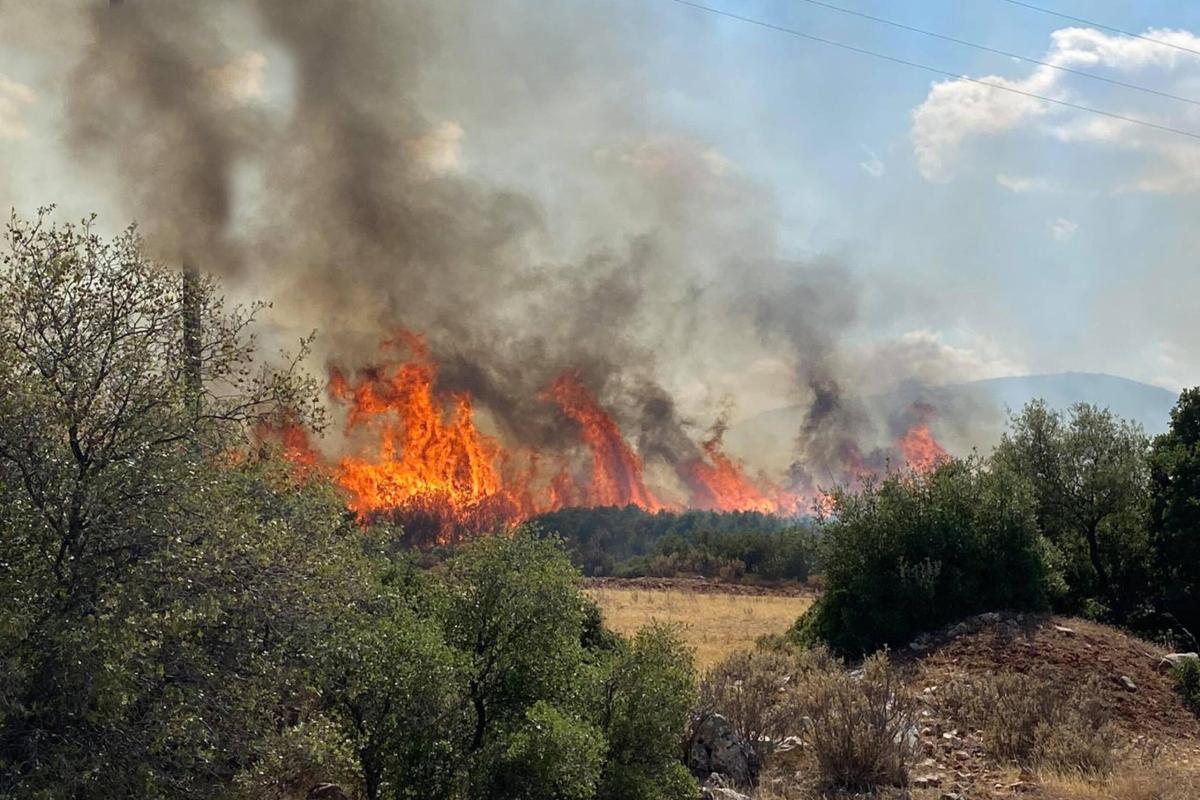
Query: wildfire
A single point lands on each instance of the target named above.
(616, 468)
(417, 457)
(721, 484)
(429, 462)
(917, 445)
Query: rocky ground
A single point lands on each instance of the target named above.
(1158, 738)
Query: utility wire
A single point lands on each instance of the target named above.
(1061, 15)
(937, 71)
(987, 49)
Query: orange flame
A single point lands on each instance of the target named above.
(428, 460)
(422, 461)
(920, 449)
(721, 484)
(616, 468)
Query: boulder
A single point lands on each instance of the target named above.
(715, 789)
(1175, 659)
(716, 747)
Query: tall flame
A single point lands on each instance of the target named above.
(427, 459)
(616, 469)
(721, 484)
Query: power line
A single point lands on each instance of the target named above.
(988, 49)
(1061, 15)
(937, 71)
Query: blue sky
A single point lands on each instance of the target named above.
(1076, 275)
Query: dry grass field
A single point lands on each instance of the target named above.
(714, 624)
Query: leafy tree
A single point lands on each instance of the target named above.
(392, 682)
(912, 551)
(1175, 513)
(514, 611)
(1088, 470)
(646, 700)
(149, 605)
(552, 756)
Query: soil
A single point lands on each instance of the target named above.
(699, 585)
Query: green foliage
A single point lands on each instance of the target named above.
(1175, 513)
(394, 685)
(1088, 472)
(553, 756)
(646, 700)
(1186, 675)
(182, 616)
(630, 542)
(914, 551)
(515, 612)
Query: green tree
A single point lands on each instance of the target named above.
(394, 684)
(1089, 474)
(145, 595)
(1175, 513)
(913, 551)
(645, 702)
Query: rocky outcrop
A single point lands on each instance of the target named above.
(716, 747)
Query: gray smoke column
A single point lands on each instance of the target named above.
(145, 104)
(357, 231)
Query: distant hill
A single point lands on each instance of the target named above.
(970, 414)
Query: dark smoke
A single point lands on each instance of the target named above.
(357, 231)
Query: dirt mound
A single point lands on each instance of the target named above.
(1140, 697)
(698, 585)
(1152, 721)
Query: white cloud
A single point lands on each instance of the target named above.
(873, 166)
(14, 99)
(1063, 229)
(1021, 184)
(957, 111)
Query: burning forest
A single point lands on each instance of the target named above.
(415, 455)
(569, 340)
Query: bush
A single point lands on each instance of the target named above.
(860, 729)
(646, 700)
(1030, 720)
(754, 690)
(913, 552)
(552, 756)
(1187, 681)
(747, 688)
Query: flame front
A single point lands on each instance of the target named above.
(418, 458)
(719, 483)
(616, 469)
(920, 449)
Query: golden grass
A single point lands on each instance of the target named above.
(714, 625)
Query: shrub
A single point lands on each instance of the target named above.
(553, 756)
(754, 691)
(1030, 720)
(646, 700)
(1187, 681)
(860, 729)
(915, 551)
(748, 689)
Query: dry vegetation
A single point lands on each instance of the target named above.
(715, 624)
